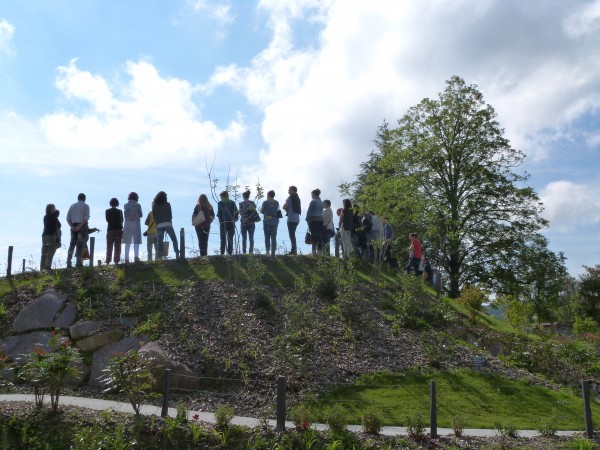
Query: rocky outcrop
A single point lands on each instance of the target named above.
(157, 360)
(103, 355)
(41, 314)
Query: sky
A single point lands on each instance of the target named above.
(107, 97)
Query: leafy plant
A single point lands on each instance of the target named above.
(458, 426)
(152, 326)
(548, 427)
(336, 419)
(507, 429)
(128, 373)
(585, 325)
(223, 416)
(415, 426)
(301, 417)
(371, 422)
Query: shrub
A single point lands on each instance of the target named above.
(472, 297)
(548, 427)
(151, 327)
(223, 416)
(585, 325)
(128, 373)
(335, 418)
(371, 422)
(506, 429)
(458, 426)
(415, 426)
(301, 417)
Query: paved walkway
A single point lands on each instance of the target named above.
(149, 410)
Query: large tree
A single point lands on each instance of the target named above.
(448, 170)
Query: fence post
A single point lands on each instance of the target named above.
(281, 385)
(182, 244)
(433, 409)
(23, 270)
(587, 410)
(337, 244)
(92, 243)
(9, 264)
(168, 376)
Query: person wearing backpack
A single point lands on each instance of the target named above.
(202, 222)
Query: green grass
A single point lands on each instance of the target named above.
(480, 399)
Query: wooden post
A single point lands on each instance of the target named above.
(587, 410)
(337, 244)
(92, 243)
(182, 244)
(433, 409)
(23, 270)
(281, 385)
(9, 266)
(168, 377)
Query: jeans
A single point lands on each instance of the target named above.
(346, 243)
(413, 264)
(161, 236)
(292, 232)
(316, 227)
(248, 232)
(270, 238)
(113, 240)
(202, 235)
(227, 230)
(78, 241)
(48, 251)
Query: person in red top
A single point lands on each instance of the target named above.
(415, 254)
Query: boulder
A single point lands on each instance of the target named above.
(457, 331)
(99, 340)
(40, 314)
(157, 360)
(66, 316)
(16, 347)
(85, 329)
(495, 348)
(103, 355)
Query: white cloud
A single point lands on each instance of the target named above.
(568, 205)
(7, 31)
(138, 123)
(586, 19)
(219, 11)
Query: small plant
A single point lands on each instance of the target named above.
(506, 429)
(223, 416)
(548, 427)
(151, 326)
(301, 417)
(196, 428)
(582, 444)
(415, 426)
(181, 415)
(473, 297)
(371, 422)
(458, 426)
(336, 419)
(128, 373)
(585, 325)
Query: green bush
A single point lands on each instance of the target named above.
(548, 427)
(458, 426)
(336, 419)
(585, 325)
(301, 417)
(371, 422)
(415, 426)
(473, 297)
(223, 416)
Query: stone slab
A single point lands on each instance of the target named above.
(103, 355)
(66, 316)
(85, 329)
(98, 340)
(40, 314)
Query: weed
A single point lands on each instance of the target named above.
(152, 326)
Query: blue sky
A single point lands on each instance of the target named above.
(112, 96)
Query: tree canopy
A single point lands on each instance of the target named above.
(447, 172)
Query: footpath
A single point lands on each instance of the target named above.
(150, 410)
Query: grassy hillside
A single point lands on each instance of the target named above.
(344, 334)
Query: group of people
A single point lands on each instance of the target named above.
(362, 235)
(123, 227)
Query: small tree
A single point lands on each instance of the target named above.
(128, 373)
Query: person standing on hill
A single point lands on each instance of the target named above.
(293, 209)
(114, 231)
(132, 231)
(346, 225)
(414, 254)
(227, 213)
(248, 218)
(314, 218)
(203, 229)
(328, 230)
(270, 209)
(161, 210)
(50, 237)
(151, 235)
(77, 218)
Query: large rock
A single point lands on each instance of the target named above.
(183, 378)
(66, 316)
(85, 329)
(102, 356)
(17, 347)
(40, 314)
(99, 340)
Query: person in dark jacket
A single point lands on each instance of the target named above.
(50, 237)
(163, 216)
(114, 231)
(227, 213)
(203, 230)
